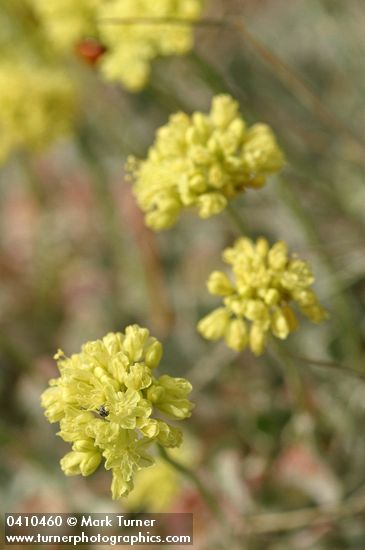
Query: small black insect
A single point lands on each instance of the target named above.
(103, 412)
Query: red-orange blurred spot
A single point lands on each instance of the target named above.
(90, 50)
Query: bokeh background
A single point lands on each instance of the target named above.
(280, 433)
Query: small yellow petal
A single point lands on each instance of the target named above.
(236, 336)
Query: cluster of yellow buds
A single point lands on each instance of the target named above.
(104, 400)
(267, 282)
(203, 161)
(133, 32)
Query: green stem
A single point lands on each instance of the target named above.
(236, 219)
(211, 75)
(203, 490)
(293, 379)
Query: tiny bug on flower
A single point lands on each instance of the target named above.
(103, 412)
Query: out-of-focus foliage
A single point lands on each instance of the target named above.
(37, 96)
(277, 432)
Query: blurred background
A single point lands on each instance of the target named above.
(280, 433)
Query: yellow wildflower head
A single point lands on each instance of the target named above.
(203, 161)
(106, 399)
(266, 284)
(130, 47)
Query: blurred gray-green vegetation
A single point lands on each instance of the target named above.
(273, 434)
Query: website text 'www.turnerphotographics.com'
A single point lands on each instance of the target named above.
(107, 529)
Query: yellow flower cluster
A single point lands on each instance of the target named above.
(36, 105)
(267, 282)
(130, 47)
(104, 400)
(203, 161)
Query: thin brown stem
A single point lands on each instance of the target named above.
(326, 364)
(178, 21)
(300, 89)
